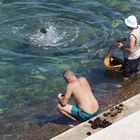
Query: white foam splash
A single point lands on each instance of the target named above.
(16, 33)
(53, 37)
(15, 29)
(1, 2)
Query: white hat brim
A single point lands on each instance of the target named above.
(130, 25)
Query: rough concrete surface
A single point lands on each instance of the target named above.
(125, 129)
(79, 132)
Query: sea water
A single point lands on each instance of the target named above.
(32, 63)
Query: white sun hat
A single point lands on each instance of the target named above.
(131, 21)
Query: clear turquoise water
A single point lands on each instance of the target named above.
(31, 64)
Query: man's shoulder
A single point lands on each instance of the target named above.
(69, 85)
(82, 78)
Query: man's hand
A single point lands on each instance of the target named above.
(60, 98)
(119, 45)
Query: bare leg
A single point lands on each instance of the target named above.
(66, 110)
(67, 115)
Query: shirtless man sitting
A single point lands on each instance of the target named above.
(86, 106)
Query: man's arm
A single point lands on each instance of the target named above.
(121, 39)
(132, 40)
(63, 100)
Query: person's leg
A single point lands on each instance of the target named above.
(126, 70)
(66, 111)
(135, 66)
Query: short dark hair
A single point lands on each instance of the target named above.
(67, 73)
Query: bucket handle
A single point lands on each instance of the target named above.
(109, 50)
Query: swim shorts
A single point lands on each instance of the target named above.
(80, 115)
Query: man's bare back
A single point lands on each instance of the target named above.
(83, 96)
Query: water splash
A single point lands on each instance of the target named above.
(60, 32)
(53, 37)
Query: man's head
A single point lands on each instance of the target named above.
(68, 75)
(131, 22)
(43, 30)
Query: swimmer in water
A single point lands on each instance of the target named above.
(43, 30)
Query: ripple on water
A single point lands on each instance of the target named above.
(78, 34)
(60, 32)
(55, 36)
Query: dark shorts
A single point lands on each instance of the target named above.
(130, 67)
(80, 115)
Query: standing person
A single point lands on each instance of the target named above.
(132, 50)
(86, 106)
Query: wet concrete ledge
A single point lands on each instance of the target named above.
(79, 132)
